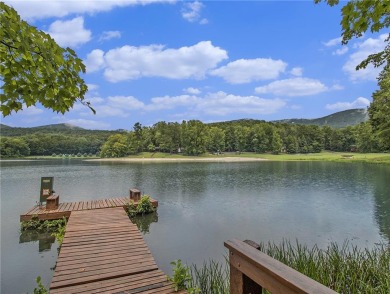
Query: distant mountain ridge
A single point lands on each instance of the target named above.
(63, 128)
(340, 119)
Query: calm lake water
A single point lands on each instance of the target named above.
(200, 206)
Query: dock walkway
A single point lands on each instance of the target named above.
(103, 252)
(65, 208)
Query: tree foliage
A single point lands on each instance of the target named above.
(35, 69)
(359, 17)
(194, 138)
(379, 110)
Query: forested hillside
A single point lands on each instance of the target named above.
(340, 119)
(51, 140)
(192, 138)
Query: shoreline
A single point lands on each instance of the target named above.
(192, 159)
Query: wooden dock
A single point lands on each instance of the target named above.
(64, 209)
(103, 252)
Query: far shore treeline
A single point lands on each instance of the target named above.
(192, 138)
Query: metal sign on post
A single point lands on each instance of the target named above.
(46, 188)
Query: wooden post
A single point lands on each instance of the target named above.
(251, 270)
(240, 283)
(52, 202)
(135, 194)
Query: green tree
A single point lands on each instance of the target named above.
(195, 137)
(357, 18)
(216, 139)
(277, 143)
(366, 140)
(379, 110)
(13, 147)
(291, 144)
(34, 69)
(116, 146)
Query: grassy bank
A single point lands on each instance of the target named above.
(377, 158)
(382, 158)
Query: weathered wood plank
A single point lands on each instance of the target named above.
(270, 273)
(104, 252)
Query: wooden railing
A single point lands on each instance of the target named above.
(251, 270)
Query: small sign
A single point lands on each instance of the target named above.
(46, 188)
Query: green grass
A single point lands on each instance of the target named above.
(383, 158)
(345, 268)
(377, 158)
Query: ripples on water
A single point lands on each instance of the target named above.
(202, 205)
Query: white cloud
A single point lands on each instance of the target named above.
(116, 106)
(293, 87)
(171, 102)
(337, 87)
(192, 12)
(108, 35)
(360, 102)
(39, 9)
(70, 32)
(333, 42)
(88, 124)
(92, 87)
(192, 90)
(204, 21)
(126, 102)
(95, 60)
(364, 49)
(31, 110)
(248, 70)
(297, 71)
(221, 104)
(340, 51)
(129, 62)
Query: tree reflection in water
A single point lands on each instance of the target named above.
(143, 222)
(45, 239)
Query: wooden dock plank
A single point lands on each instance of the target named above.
(65, 208)
(116, 284)
(104, 252)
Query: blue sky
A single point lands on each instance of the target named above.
(152, 60)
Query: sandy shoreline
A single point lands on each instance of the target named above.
(212, 159)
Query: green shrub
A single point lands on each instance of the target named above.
(40, 225)
(144, 206)
(181, 278)
(40, 287)
(59, 234)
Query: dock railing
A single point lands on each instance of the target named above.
(252, 270)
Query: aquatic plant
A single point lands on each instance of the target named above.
(211, 278)
(42, 225)
(59, 233)
(181, 278)
(40, 289)
(143, 206)
(344, 268)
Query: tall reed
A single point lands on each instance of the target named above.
(344, 268)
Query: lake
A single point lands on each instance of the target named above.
(201, 205)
